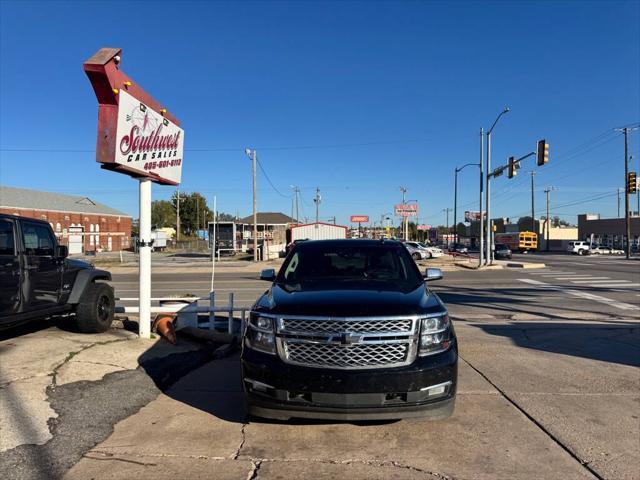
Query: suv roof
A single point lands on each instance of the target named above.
(18, 217)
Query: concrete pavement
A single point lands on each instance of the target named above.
(541, 400)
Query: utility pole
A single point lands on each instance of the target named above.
(447, 210)
(297, 212)
(547, 222)
(177, 215)
(253, 156)
(317, 200)
(405, 227)
(619, 191)
(533, 207)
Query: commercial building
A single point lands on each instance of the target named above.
(272, 231)
(608, 231)
(81, 223)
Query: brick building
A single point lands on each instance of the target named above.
(79, 222)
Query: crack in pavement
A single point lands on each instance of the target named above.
(255, 468)
(556, 440)
(242, 440)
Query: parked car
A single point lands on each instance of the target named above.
(429, 252)
(458, 248)
(416, 252)
(38, 280)
(599, 249)
(579, 248)
(349, 330)
(502, 251)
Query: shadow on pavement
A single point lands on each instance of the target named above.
(614, 343)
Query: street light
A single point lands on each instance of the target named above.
(489, 256)
(455, 201)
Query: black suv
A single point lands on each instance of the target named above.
(349, 330)
(37, 279)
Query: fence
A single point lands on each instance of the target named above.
(188, 308)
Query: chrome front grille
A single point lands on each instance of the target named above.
(347, 343)
(332, 355)
(389, 325)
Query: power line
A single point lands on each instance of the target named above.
(271, 183)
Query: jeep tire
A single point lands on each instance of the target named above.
(94, 313)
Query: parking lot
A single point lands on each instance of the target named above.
(549, 387)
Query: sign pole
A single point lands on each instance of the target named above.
(144, 305)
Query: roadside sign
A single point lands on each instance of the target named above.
(423, 227)
(406, 210)
(359, 218)
(148, 143)
(470, 216)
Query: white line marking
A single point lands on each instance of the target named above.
(616, 285)
(582, 277)
(576, 293)
(600, 281)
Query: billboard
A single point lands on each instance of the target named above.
(406, 210)
(423, 227)
(146, 142)
(470, 216)
(359, 218)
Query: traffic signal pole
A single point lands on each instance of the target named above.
(627, 221)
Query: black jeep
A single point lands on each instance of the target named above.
(349, 330)
(37, 280)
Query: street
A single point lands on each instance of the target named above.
(548, 388)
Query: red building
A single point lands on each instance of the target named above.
(79, 222)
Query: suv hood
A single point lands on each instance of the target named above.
(350, 302)
(74, 263)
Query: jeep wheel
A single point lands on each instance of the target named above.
(94, 313)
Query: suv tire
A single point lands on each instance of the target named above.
(416, 256)
(94, 313)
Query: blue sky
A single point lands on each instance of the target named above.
(356, 98)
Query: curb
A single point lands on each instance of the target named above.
(526, 265)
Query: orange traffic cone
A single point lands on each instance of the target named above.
(163, 324)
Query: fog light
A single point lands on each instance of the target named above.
(437, 390)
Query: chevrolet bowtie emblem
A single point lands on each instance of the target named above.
(348, 338)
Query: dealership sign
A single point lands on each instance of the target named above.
(406, 210)
(136, 134)
(146, 142)
(359, 218)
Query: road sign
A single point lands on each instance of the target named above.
(359, 218)
(406, 210)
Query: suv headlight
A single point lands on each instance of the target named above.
(435, 334)
(260, 334)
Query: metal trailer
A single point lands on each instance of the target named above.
(226, 238)
(159, 240)
(317, 231)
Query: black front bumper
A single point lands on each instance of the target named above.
(281, 391)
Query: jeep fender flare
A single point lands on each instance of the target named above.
(84, 278)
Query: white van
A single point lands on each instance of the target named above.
(580, 248)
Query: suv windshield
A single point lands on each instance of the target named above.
(380, 267)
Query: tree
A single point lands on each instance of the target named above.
(162, 214)
(194, 213)
(524, 224)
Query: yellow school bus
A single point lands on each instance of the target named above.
(518, 242)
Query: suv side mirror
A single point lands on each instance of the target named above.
(268, 274)
(62, 251)
(433, 274)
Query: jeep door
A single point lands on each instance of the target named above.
(43, 275)
(9, 269)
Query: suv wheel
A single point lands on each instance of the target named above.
(581, 252)
(94, 313)
(416, 256)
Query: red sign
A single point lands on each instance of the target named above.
(136, 134)
(406, 210)
(423, 227)
(359, 218)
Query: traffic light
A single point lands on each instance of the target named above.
(543, 152)
(632, 182)
(512, 167)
